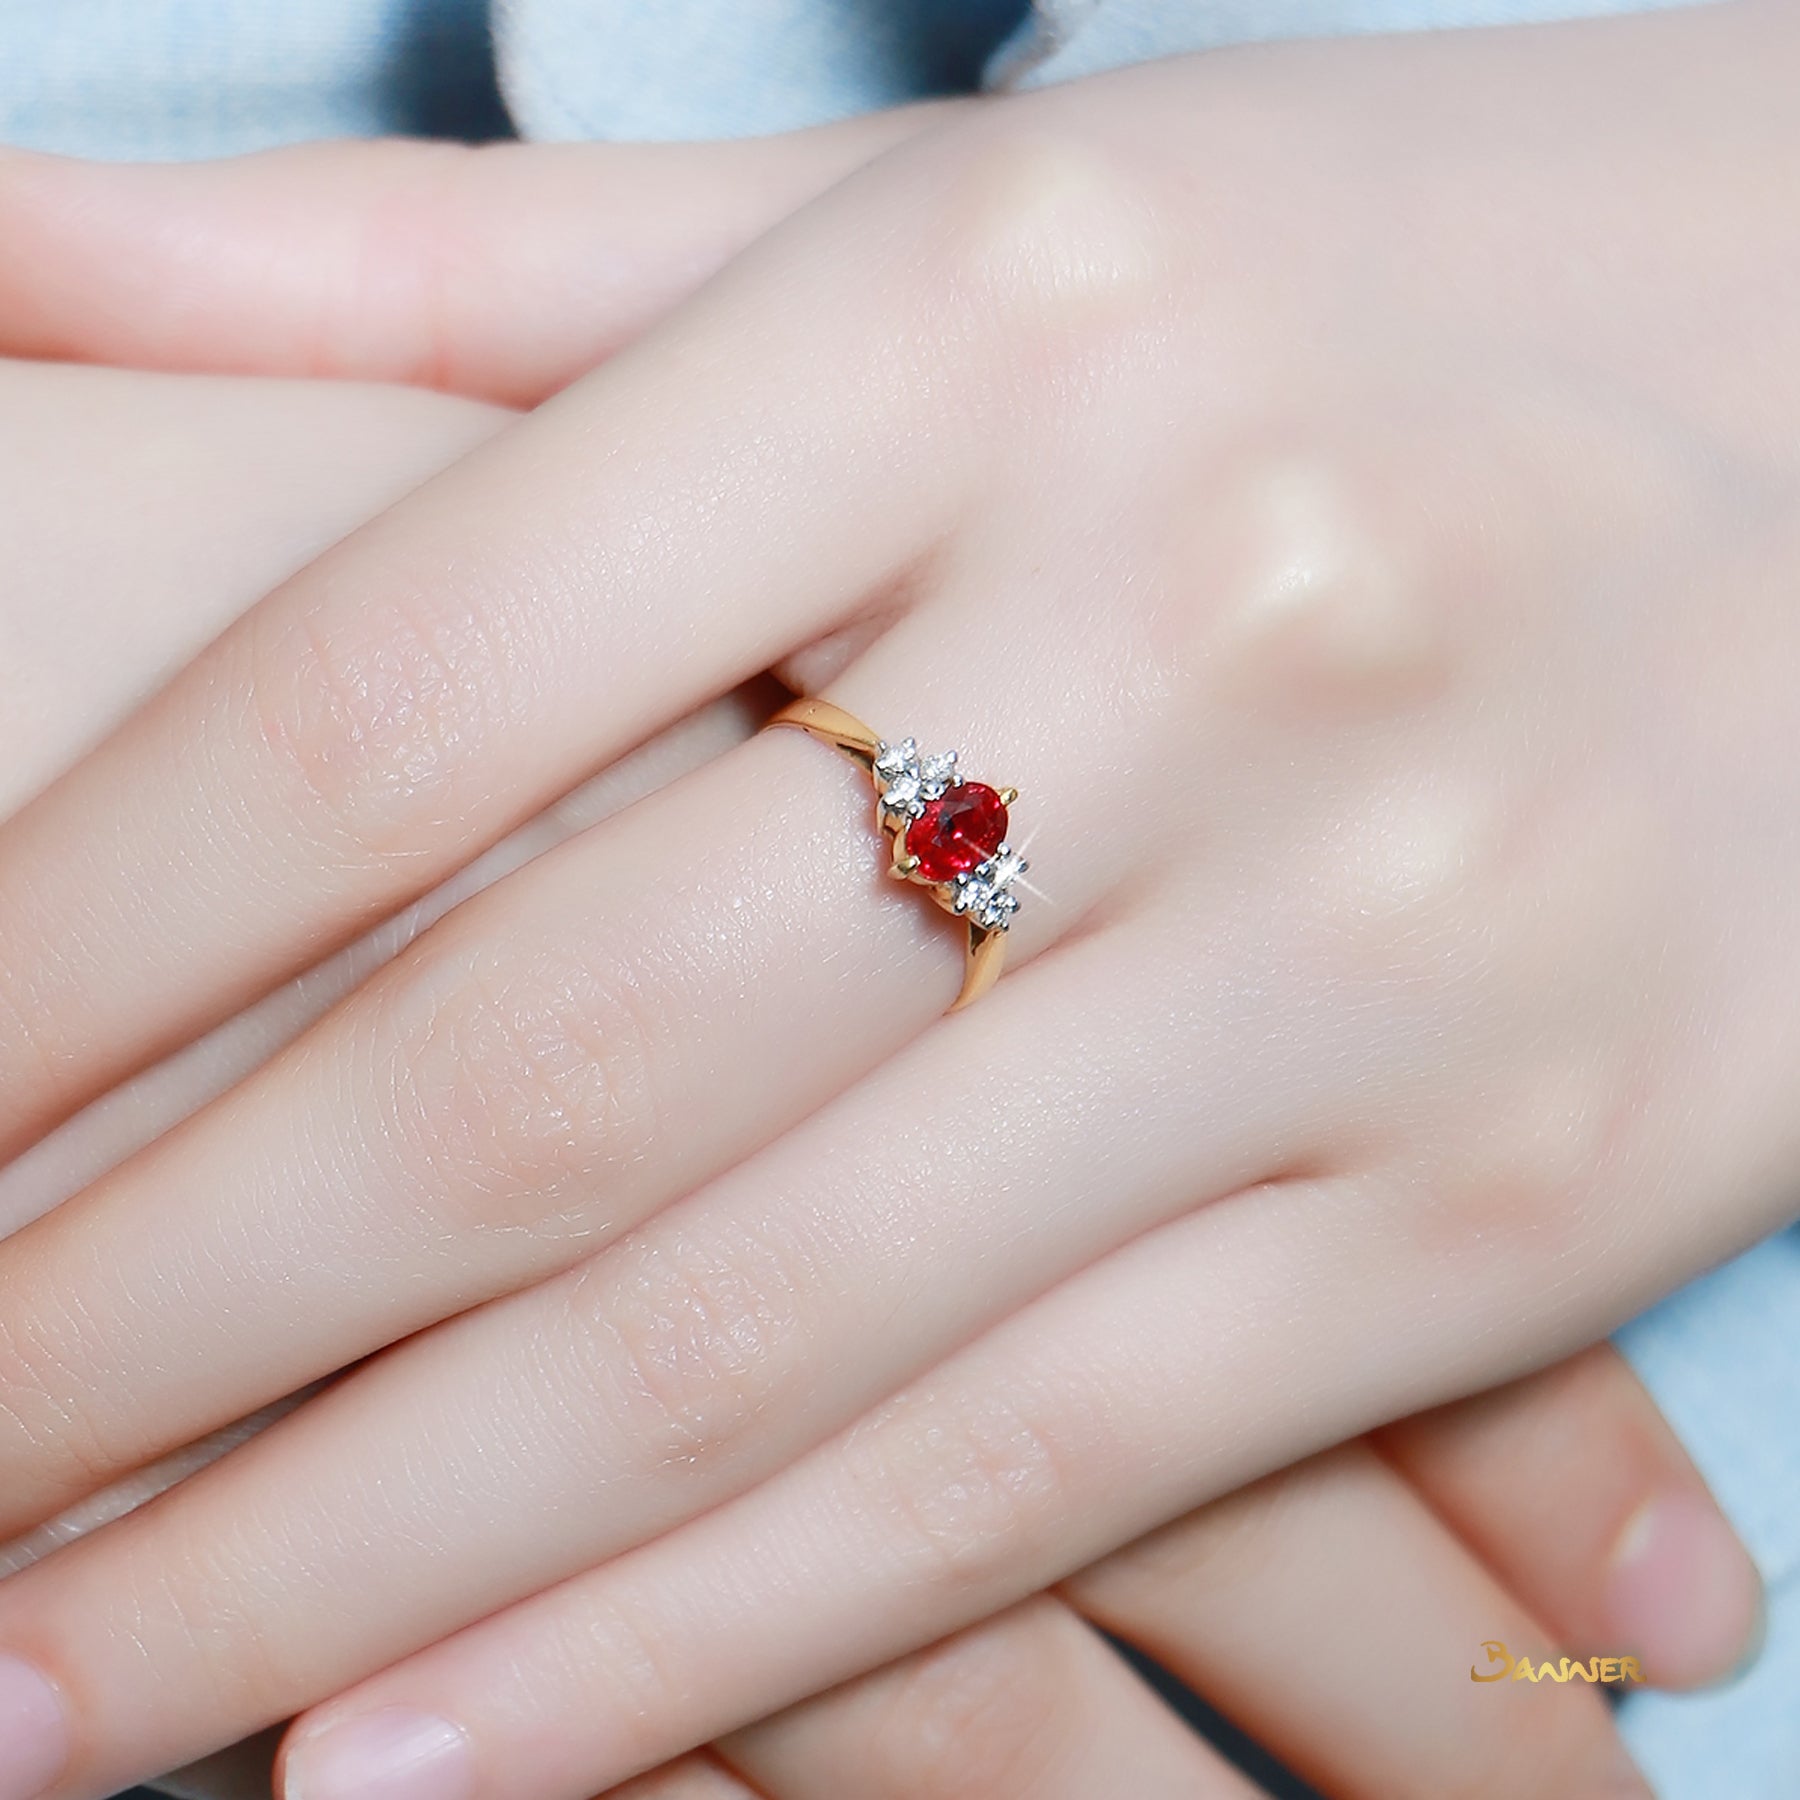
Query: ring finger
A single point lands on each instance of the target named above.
(538, 1074)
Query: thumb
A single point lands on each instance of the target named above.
(500, 272)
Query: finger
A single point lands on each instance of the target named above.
(1332, 1616)
(668, 1374)
(1043, 1447)
(144, 513)
(1029, 1706)
(750, 477)
(102, 1136)
(501, 272)
(1581, 1498)
(116, 1127)
(531, 1081)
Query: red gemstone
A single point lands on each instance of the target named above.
(955, 833)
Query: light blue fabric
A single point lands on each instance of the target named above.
(183, 78)
(1068, 38)
(598, 68)
(1722, 1358)
(201, 77)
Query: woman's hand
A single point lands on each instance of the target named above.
(1297, 470)
(1327, 1609)
(142, 515)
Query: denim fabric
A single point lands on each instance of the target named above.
(179, 78)
(1722, 1358)
(593, 68)
(1067, 38)
(201, 77)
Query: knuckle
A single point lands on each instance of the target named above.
(1523, 1195)
(961, 1497)
(1418, 874)
(372, 717)
(523, 1078)
(1046, 241)
(1557, 1043)
(186, 1600)
(691, 1335)
(647, 1672)
(50, 1414)
(981, 1718)
(418, 231)
(1324, 589)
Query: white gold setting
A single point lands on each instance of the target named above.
(985, 893)
(910, 781)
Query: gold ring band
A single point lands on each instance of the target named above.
(945, 834)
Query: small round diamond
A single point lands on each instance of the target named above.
(893, 759)
(937, 773)
(902, 795)
(984, 894)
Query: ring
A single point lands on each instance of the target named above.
(945, 834)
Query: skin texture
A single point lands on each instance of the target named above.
(1429, 1012)
(210, 490)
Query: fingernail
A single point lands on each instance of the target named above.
(34, 1731)
(1682, 1593)
(388, 1755)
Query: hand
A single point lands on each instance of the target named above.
(145, 513)
(1388, 982)
(127, 556)
(1323, 1609)
(142, 515)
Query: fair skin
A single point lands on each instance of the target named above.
(1331, 1609)
(1296, 470)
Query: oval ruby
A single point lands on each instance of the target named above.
(957, 832)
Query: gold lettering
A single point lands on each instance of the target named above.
(1502, 1665)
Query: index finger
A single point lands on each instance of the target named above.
(721, 494)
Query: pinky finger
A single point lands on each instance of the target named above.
(1574, 1489)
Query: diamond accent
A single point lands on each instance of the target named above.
(891, 759)
(937, 773)
(909, 782)
(911, 786)
(985, 894)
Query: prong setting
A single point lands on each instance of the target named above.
(945, 834)
(910, 786)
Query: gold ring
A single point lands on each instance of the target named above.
(945, 834)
